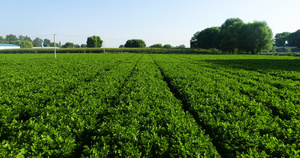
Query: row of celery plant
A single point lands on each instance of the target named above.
(146, 120)
(48, 105)
(238, 124)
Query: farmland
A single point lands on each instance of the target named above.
(149, 105)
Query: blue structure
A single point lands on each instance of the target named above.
(9, 46)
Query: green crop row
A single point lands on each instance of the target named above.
(96, 105)
(48, 106)
(146, 120)
(149, 105)
(242, 111)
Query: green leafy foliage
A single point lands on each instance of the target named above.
(156, 46)
(135, 43)
(149, 105)
(281, 39)
(107, 105)
(235, 36)
(68, 45)
(294, 39)
(94, 42)
(207, 38)
(247, 106)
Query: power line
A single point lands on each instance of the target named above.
(72, 36)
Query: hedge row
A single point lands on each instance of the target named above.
(107, 50)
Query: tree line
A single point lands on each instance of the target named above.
(288, 39)
(235, 36)
(27, 42)
(92, 42)
(138, 43)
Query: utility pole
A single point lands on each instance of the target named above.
(54, 47)
(103, 47)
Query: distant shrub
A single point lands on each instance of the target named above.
(214, 51)
(156, 46)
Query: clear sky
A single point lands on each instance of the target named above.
(155, 21)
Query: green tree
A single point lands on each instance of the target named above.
(230, 32)
(181, 46)
(52, 44)
(229, 22)
(167, 46)
(11, 38)
(3, 40)
(156, 46)
(24, 44)
(69, 45)
(256, 37)
(94, 42)
(207, 38)
(121, 46)
(21, 38)
(83, 45)
(37, 42)
(135, 43)
(24, 38)
(194, 40)
(281, 39)
(46, 43)
(294, 39)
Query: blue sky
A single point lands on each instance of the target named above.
(115, 21)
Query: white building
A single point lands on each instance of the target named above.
(9, 46)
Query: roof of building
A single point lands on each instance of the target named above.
(8, 45)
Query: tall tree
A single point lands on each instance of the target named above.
(281, 39)
(46, 42)
(69, 45)
(230, 31)
(37, 42)
(3, 40)
(193, 41)
(26, 44)
(294, 39)
(167, 46)
(256, 37)
(234, 35)
(207, 38)
(135, 43)
(24, 38)
(11, 38)
(229, 22)
(94, 41)
(21, 38)
(52, 44)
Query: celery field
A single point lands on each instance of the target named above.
(149, 105)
